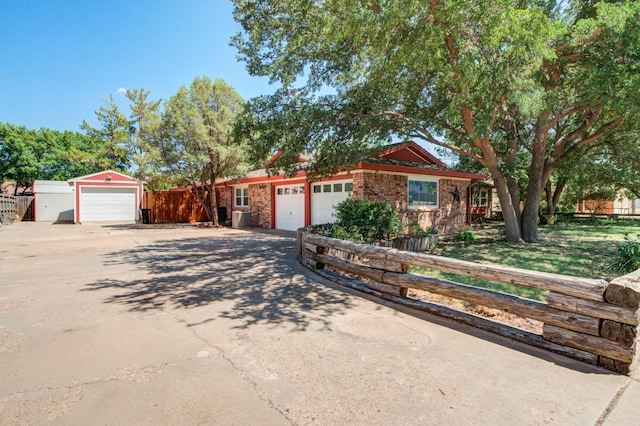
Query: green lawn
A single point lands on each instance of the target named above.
(582, 249)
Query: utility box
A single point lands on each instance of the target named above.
(240, 219)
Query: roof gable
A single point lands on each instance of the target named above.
(410, 152)
(107, 175)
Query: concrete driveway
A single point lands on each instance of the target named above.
(134, 324)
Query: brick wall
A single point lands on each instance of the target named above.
(260, 202)
(449, 218)
(225, 199)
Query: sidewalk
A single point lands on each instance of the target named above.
(121, 324)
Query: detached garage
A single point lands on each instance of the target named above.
(106, 196)
(54, 201)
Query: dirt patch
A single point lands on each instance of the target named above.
(492, 314)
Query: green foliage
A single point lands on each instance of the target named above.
(197, 144)
(514, 85)
(366, 221)
(465, 236)
(112, 138)
(27, 155)
(628, 256)
(415, 230)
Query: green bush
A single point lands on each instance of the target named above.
(366, 221)
(415, 230)
(628, 259)
(465, 236)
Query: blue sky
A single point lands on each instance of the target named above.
(61, 58)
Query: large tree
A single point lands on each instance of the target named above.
(113, 138)
(146, 132)
(512, 84)
(27, 155)
(197, 146)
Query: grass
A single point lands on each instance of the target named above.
(576, 248)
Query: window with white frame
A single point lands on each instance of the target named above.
(423, 194)
(480, 198)
(242, 197)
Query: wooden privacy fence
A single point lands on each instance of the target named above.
(24, 207)
(591, 320)
(7, 209)
(174, 207)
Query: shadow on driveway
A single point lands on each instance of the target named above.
(257, 273)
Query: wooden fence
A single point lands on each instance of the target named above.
(24, 207)
(173, 207)
(591, 320)
(7, 209)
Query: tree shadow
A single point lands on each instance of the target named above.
(256, 272)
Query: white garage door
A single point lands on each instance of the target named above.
(98, 204)
(290, 207)
(325, 196)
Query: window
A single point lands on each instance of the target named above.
(480, 198)
(348, 187)
(242, 197)
(326, 188)
(423, 194)
(317, 189)
(337, 187)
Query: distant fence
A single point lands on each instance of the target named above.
(7, 209)
(174, 207)
(586, 215)
(24, 207)
(591, 320)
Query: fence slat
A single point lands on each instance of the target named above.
(592, 289)
(593, 344)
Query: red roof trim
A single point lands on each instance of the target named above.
(418, 171)
(278, 155)
(417, 149)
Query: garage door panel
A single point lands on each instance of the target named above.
(105, 204)
(290, 207)
(325, 196)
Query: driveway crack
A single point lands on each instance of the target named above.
(614, 401)
(261, 395)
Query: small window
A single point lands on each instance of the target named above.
(326, 188)
(423, 194)
(301, 190)
(317, 189)
(348, 187)
(242, 197)
(337, 187)
(294, 190)
(287, 191)
(480, 198)
(279, 191)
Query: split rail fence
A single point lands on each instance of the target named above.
(591, 320)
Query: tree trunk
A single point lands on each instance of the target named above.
(201, 196)
(534, 192)
(213, 203)
(553, 195)
(514, 192)
(511, 222)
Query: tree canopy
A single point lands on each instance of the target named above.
(27, 155)
(512, 84)
(197, 144)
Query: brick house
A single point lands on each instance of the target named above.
(423, 189)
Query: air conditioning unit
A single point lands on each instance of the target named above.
(240, 219)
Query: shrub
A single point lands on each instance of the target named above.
(628, 259)
(367, 221)
(464, 236)
(414, 230)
